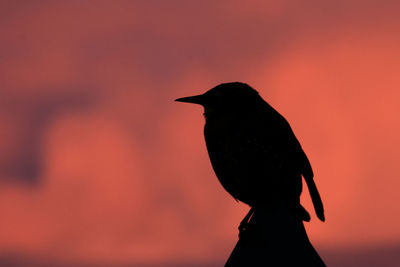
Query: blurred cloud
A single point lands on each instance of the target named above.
(121, 172)
(24, 120)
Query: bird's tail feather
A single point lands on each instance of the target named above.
(315, 197)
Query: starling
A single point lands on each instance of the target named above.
(253, 150)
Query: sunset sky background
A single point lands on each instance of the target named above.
(99, 166)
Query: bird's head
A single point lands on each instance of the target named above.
(225, 97)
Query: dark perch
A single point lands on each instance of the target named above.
(274, 239)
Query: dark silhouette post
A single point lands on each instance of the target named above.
(274, 239)
(259, 161)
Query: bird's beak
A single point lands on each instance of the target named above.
(197, 99)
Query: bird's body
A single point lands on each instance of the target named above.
(253, 150)
(245, 162)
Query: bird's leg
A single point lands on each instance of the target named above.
(246, 219)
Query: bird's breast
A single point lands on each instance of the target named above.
(234, 156)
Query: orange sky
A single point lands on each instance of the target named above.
(98, 164)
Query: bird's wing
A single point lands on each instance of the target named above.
(312, 188)
(291, 152)
(302, 163)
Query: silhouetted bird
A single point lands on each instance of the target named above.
(254, 152)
